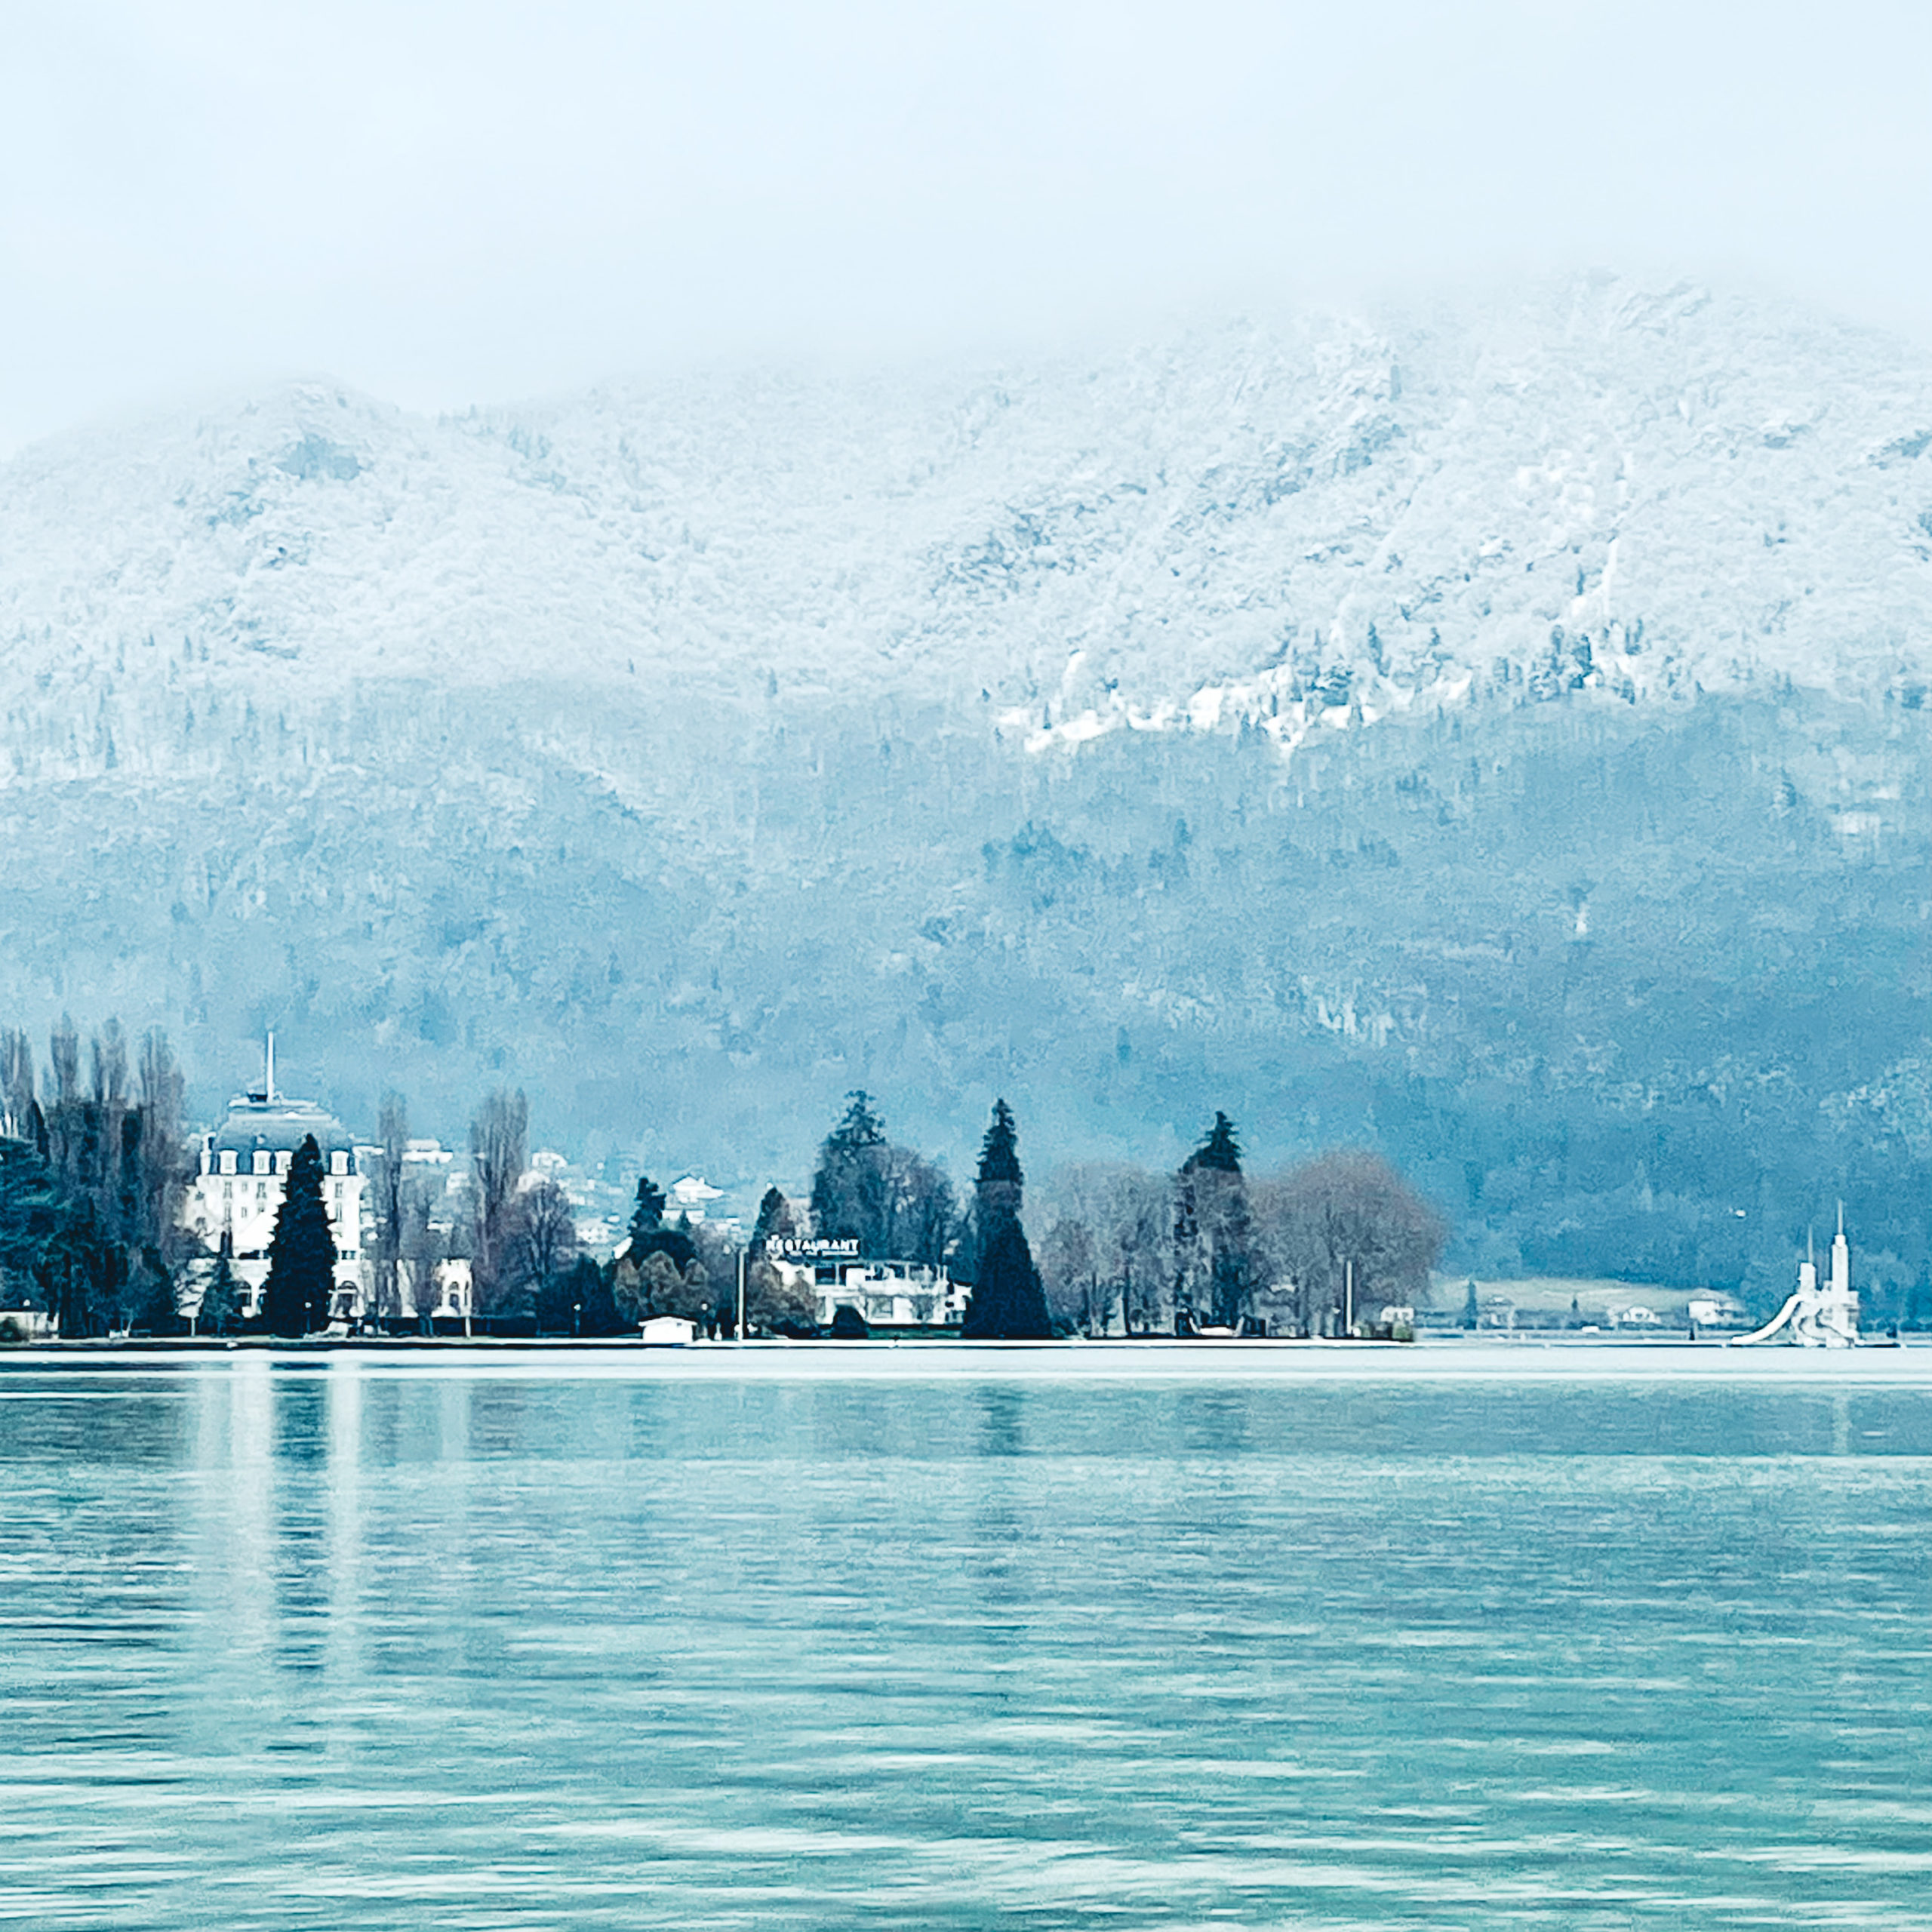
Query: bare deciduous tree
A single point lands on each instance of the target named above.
(17, 1085)
(1128, 1213)
(539, 1242)
(1078, 1295)
(499, 1153)
(1348, 1206)
(386, 1208)
(110, 1066)
(166, 1164)
(423, 1250)
(64, 1058)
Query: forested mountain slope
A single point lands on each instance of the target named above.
(1494, 730)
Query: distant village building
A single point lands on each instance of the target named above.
(1710, 1308)
(234, 1198)
(691, 1198)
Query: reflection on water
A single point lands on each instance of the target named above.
(322, 1643)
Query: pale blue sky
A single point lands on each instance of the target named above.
(450, 203)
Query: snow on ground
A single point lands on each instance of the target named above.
(1300, 524)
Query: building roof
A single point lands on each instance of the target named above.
(279, 1126)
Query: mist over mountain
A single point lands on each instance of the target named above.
(1495, 730)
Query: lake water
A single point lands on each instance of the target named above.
(1367, 1638)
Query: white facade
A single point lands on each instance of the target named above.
(236, 1194)
(888, 1294)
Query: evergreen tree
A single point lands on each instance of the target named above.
(1215, 1271)
(152, 1304)
(221, 1302)
(849, 1188)
(648, 1215)
(895, 1205)
(578, 1301)
(590, 1288)
(998, 1187)
(302, 1251)
(1220, 1152)
(774, 1221)
(1000, 1182)
(1007, 1302)
(1471, 1313)
(1232, 1273)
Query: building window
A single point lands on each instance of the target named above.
(261, 1161)
(228, 1161)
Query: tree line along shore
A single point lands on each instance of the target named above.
(97, 1161)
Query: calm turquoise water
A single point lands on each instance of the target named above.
(327, 1645)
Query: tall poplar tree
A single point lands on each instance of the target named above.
(390, 1202)
(302, 1252)
(498, 1152)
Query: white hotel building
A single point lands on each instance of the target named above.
(234, 1199)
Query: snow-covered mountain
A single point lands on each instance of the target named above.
(1641, 491)
(1394, 724)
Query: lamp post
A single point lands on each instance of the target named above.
(738, 1334)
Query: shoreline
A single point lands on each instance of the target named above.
(1885, 1362)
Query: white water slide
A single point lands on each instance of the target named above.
(1817, 1316)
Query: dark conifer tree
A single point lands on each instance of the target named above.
(648, 1215)
(1231, 1275)
(998, 1185)
(1213, 1242)
(849, 1186)
(593, 1307)
(150, 1296)
(774, 1221)
(651, 1233)
(221, 1312)
(1220, 1152)
(301, 1280)
(1008, 1303)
